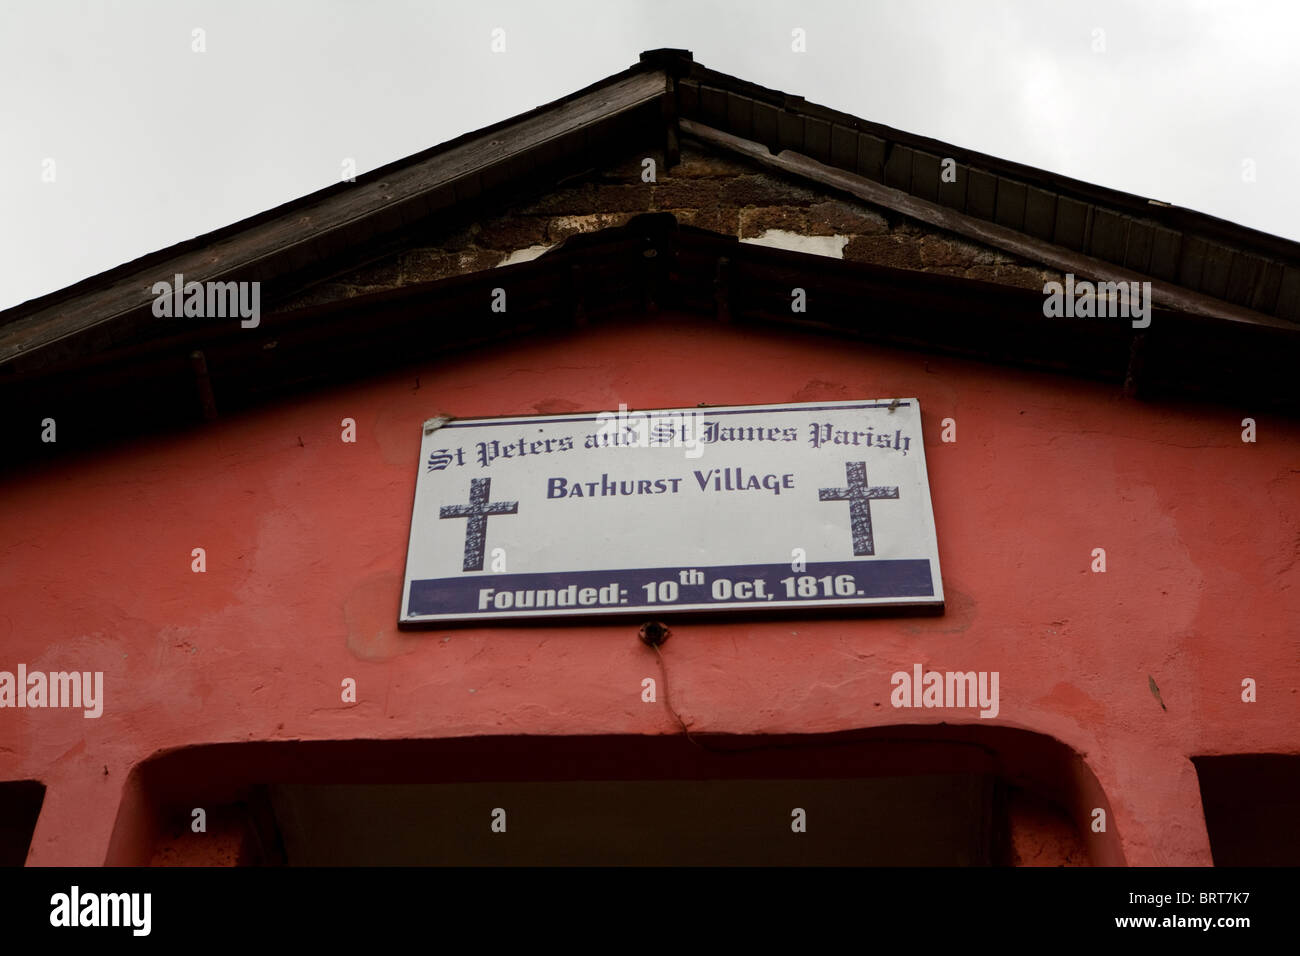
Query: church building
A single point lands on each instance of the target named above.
(678, 473)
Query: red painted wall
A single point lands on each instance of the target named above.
(306, 543)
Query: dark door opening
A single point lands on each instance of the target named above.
(20, 805)
(901, 796)
(1252, 808)
(885, 821)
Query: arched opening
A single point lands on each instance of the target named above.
(910, 795)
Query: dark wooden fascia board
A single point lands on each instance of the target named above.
(257, 249)
(106, 311)
(157, 384)
(378, 174)
(974, 228)
(617, 255)
(1165, 214)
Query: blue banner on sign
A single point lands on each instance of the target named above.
(737, 586)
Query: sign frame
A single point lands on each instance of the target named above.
(479, 505)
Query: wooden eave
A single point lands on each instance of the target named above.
(651, 265)
(1227, 329)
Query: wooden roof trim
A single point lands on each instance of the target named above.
(606, 277)
(1163, 213)
(978, 230)
(1195, 262)
(403, 193)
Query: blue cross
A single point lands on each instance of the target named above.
(477, 511)
(859, 495)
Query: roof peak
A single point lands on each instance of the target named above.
(1238, 273)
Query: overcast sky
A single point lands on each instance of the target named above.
(152, 143)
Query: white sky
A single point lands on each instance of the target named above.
(153, 143)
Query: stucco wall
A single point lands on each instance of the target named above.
(305, 537)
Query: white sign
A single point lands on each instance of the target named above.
(811, 505)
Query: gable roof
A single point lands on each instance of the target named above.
(1200, 263)
(1242, 286)
(1204, 264)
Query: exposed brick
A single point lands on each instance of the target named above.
(1022, 276)
(428, 265)
(561, 227)
(622, 198)
(722, 219)
(687, 194)
(843, 219)
(757, 220)
(629, 170)
(474, 261)
(575, 199)
(698, 165)
(512, 232)
(910, 228)
(766, 191)
(889, 250)
(822, 219)
(707, 191)
(943, 250)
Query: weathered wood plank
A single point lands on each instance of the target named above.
(331, 209)
(980, 230)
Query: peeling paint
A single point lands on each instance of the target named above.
(523, 255)
(830, 246)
